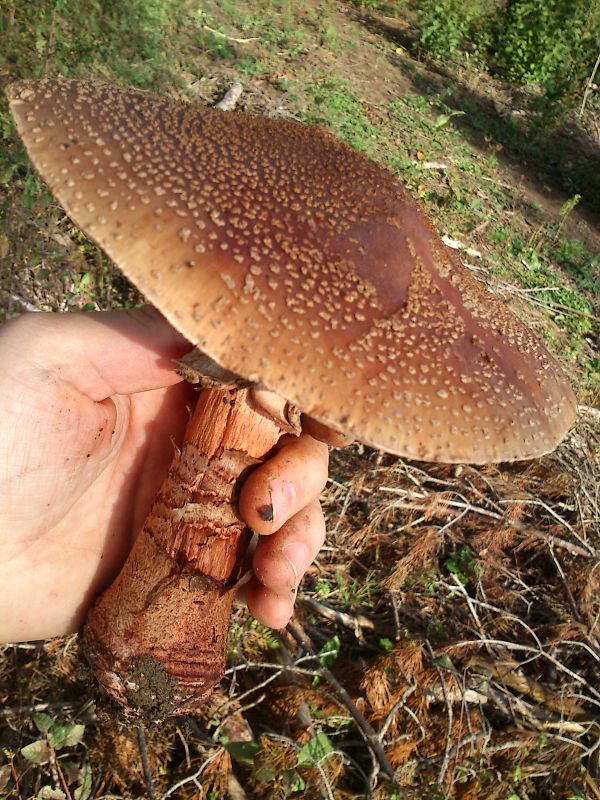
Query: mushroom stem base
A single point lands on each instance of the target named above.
(157, 636)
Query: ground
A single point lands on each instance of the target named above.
(448, 633)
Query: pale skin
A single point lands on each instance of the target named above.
(90, 410)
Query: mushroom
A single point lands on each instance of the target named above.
(310, 279)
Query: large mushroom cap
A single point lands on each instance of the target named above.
(295, 261)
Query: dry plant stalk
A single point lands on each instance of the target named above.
(420, 555)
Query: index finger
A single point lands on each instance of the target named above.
(284, 484)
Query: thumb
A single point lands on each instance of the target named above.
(102, 353)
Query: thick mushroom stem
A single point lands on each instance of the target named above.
(157, 636)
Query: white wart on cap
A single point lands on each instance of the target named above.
(298, 263)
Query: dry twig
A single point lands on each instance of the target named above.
(355, 623)
(230, 38)
(416, 499)
(141, 739)
(366, 729)
(588, 87)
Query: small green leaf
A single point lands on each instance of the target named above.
(569, 205)
(443, 661)
(294, 780)
(386, 644)
(37, 752)
(61, 736)
(443, 119)
(7, 173)
(84, 790)
(74, 735)
(329, 652)
(264, 773)
(43, 722)
(315, 749)
(242, 752)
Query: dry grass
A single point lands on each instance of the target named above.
(475, 656)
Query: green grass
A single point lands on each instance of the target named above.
(346, 591)
(574, 258)
(214, 46)
(272, 26)
(130, 40)
(333, 103)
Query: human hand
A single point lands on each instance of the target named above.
(89, 407)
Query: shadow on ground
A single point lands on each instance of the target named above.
(566, 157)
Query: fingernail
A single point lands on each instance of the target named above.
(298, 557)
(282, 494)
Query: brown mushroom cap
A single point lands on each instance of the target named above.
(296, 262)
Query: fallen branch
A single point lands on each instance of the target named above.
(447, 748)
(230, 98)
(194, 778)
(592, 412)
(523, 648)
(18, 711)
(355, 623)
(23, 302)
(229, 38)
(592, 785)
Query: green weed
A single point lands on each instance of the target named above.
(573, 256)
(348, 592)
(132, 39)
(329, 651)
(560, 298)
(215, 47)
(275, 25)
(334, 104)
(463, 566)
(548, 41)
(56, 738)
(436, 630)
(390, 7)
(253, 67)
(250, 637)
(445, 27)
